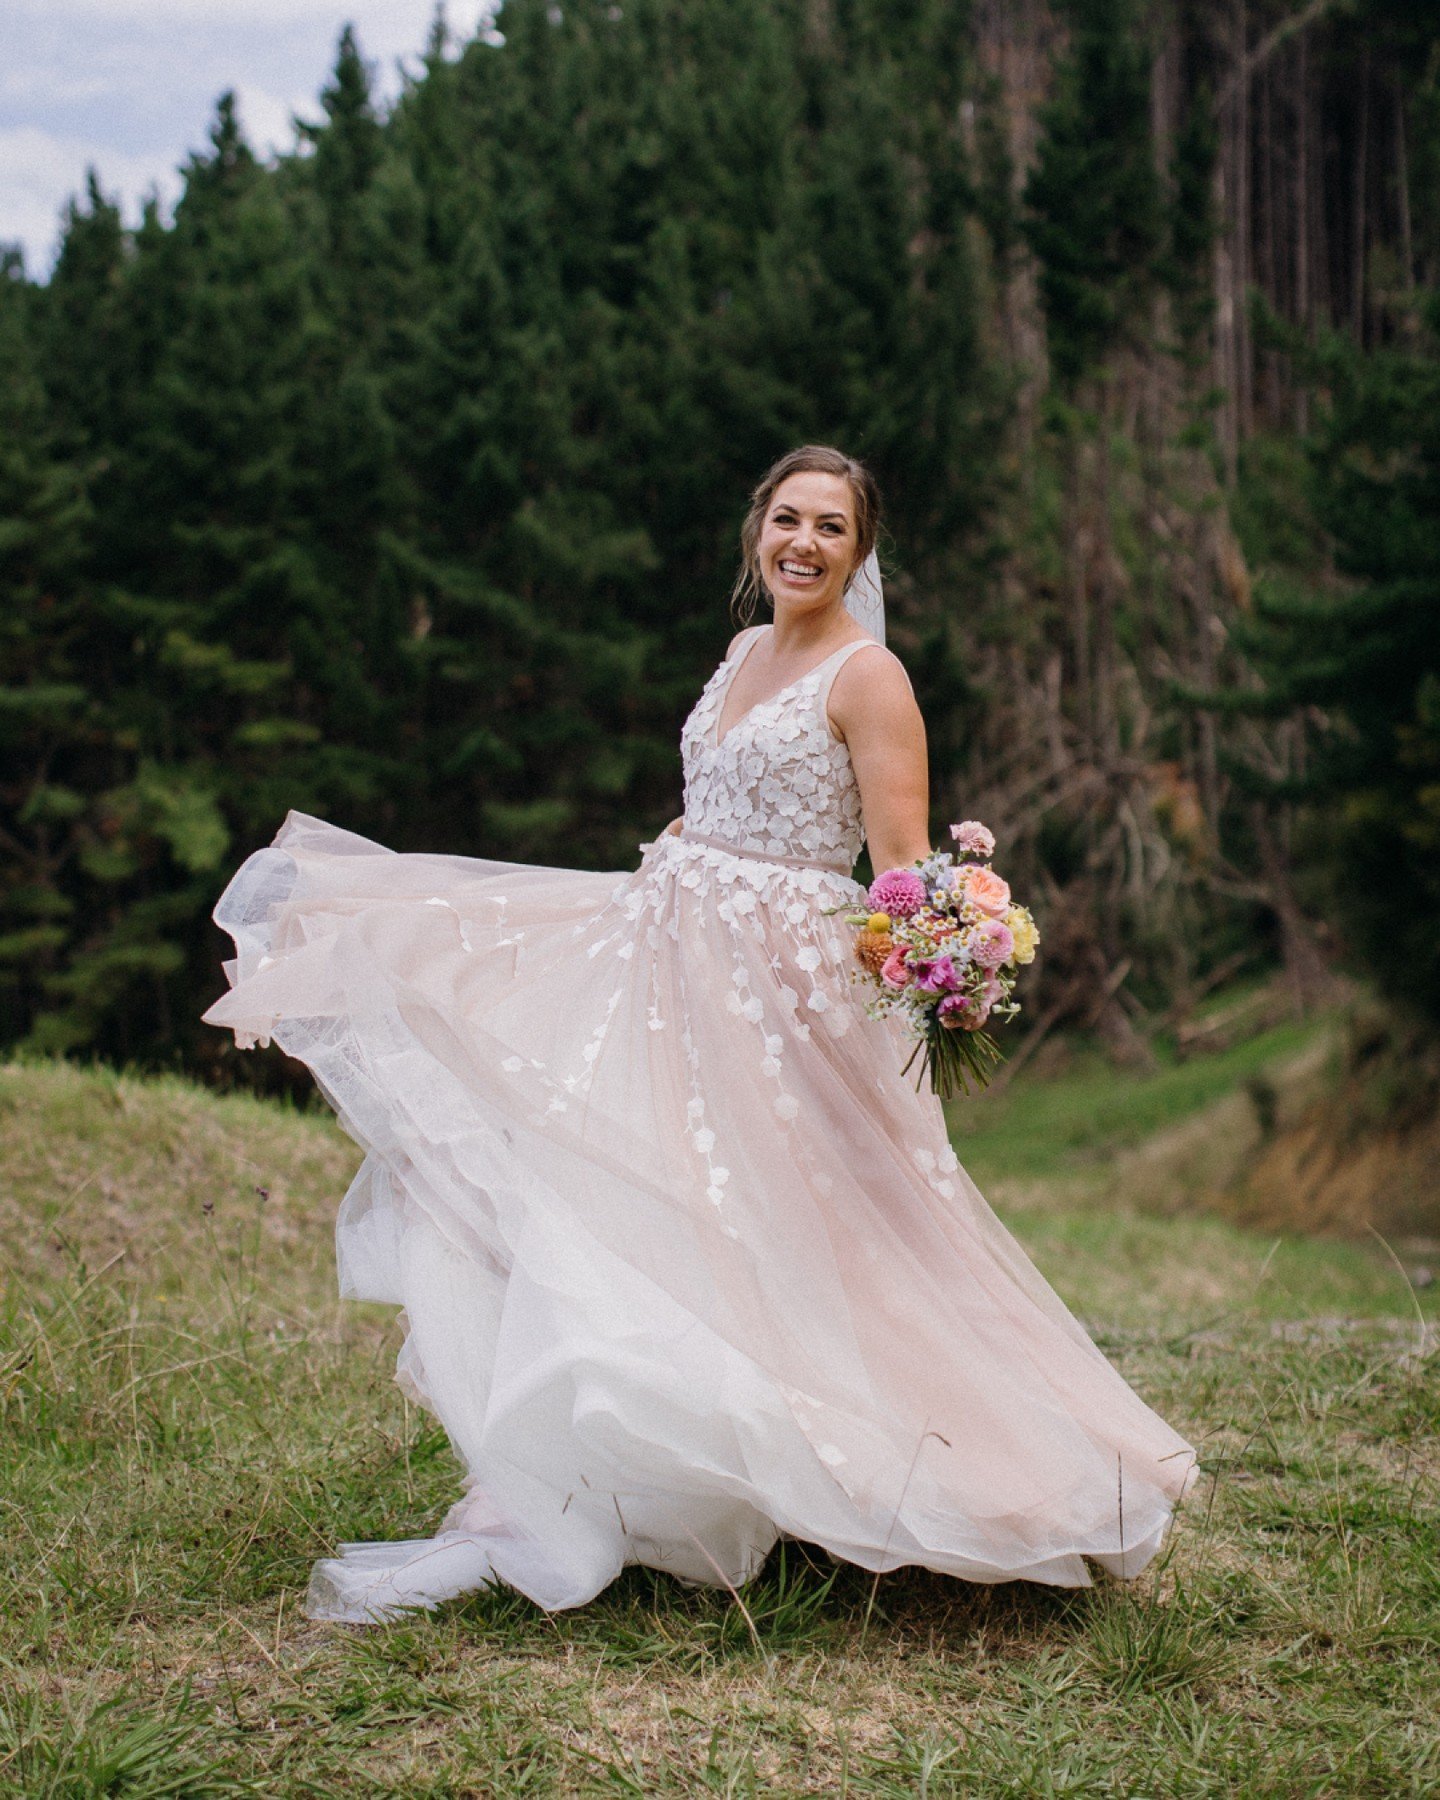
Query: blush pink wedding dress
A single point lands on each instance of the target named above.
(685, 1262)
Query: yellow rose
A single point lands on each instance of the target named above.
(878, 922)
(1025, 933)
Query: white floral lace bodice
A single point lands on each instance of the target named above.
(780, 783)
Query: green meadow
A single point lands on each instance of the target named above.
(190, 1417)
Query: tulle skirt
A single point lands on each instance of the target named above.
(685, 1262)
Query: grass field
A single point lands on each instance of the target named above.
(189, 1417)
(1052, 1129)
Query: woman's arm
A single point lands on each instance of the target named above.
(873, 709)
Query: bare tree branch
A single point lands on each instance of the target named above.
(1251, 64)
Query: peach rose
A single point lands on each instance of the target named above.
(985, 890)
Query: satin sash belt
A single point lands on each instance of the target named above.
(794, 862)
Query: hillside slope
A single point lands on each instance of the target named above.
(1310, 1129)
(190, 1418)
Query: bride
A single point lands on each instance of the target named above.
(685, 1262)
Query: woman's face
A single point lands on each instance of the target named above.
(807, 541)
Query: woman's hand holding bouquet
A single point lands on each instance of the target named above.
(942, 944)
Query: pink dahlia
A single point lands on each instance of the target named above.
(991, 944)
(898, 892)
(973, 839)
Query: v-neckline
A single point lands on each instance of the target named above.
(717, 740)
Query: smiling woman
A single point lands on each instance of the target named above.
(685, 1261)
(813, 521)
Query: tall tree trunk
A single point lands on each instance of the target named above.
(1206, 574)
(1402, 192)
(1244, 228)
(1359, 221)
(1107, 730)
(1268, 269)
(1327, 151)
(1015, 47)
(1304, 253)
(1223, 341)
(1079, 559)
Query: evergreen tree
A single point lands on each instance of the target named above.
(348, 146)
(44, 698)
(227, 656)
(406, 485)
(1095, 207)
(82, 329)
(1367, 660)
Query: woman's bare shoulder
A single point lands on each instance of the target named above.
(739, 638)
(872, 694)
(873, 673)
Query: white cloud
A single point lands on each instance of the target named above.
(130, 86)
(40, 170)
(380, 17)
(268, 121)
(385, 28)
(18, 86)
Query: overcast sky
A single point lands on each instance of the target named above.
(131, 86)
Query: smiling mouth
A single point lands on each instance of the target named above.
(793, 571)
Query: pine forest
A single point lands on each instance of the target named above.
(398, 479)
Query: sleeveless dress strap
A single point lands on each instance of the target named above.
(842, 656)
(751, 638)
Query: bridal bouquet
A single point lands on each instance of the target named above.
(942, 944)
